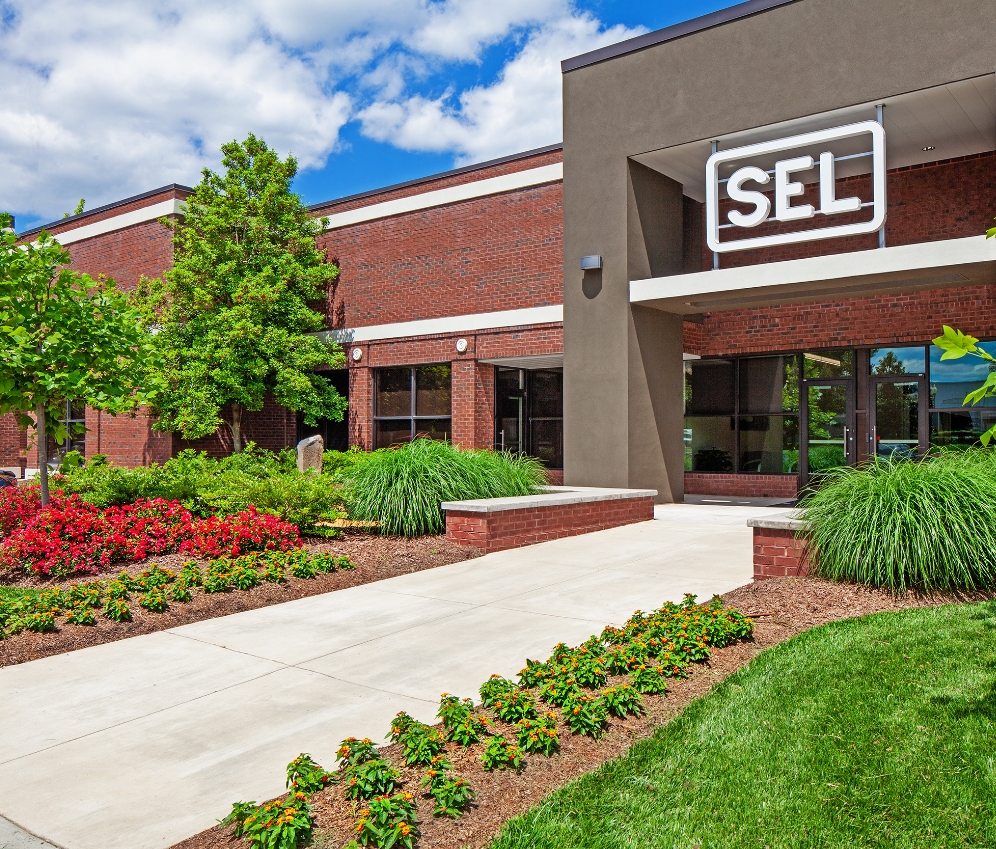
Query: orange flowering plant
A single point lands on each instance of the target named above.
(386, 822)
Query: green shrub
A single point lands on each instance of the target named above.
(205, 485)
(402, 488)
(902, 525)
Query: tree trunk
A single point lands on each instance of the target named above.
(42, 437)
(236, 428)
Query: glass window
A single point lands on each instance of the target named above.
(897, 409)
(529, 413)
(769, 385)
(827, 420)
(510, 399)
(710, 387)
(959, 429)
(394, 392)
(432, 391)
(952, 380)
(898, 360)
(769, 445)
(710, 443)
(413, 401)
(819, 364)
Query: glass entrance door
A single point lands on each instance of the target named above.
(829, 429)
(898, 418)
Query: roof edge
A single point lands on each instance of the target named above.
(679, 30)
(536, 151)
(74, 218)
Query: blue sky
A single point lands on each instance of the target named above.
(124, 96)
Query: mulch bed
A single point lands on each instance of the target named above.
(375, 558)
(781, 608)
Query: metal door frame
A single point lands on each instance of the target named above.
(923, 410)
(850, 444)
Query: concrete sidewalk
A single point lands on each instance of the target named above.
(146, 741)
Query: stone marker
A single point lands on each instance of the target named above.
(309, 454)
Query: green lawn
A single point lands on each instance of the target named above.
(870, 732)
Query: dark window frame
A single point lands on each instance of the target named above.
(412, 418)
(526, 377)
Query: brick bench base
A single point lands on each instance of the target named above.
(499, 528)
(778, 552)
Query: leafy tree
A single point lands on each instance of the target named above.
(956, 345)
(232, 314)
(63, 336)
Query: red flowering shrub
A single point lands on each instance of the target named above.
(220, 536)
(17, 506)
(72, 536)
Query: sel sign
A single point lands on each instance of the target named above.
(744, 187)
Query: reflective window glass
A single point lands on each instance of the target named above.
(817, 364)
(897, 407)
(393, 431)
(710, 387)
(547, 394)
(546, 440)
(827, 422)
(439, 429)
(769, 385)
(394, 392)
(769, 445)
(898, 360)
(960, 429)
(952, 380)
(710, 443)
(432, 391)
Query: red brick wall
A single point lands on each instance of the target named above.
(913, 318)
(778, 553)
(127, 440)
(125, 255)
(950, 199)
(13, 442)
(274, 428)
(746, 486)
(516, 528)
(500, 252)
(473, 381)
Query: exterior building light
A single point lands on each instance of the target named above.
(928, 147)
(591, 263)
(461, 346)
(357, 354)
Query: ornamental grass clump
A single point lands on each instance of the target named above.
(401, 488)
(907, 525)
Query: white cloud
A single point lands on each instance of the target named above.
(519, 111)
(107, 99)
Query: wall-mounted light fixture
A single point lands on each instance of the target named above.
(461, 346)
(590, 263)
(357, 354)
(927, 148)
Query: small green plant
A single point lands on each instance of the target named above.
(245, 576)
(388, 821)
(218, 578)
(241, 811)
(534, 674)
(40, 621)
(421, 743)
(116, 589)
(399, 725)
(301, 566)
(153, 600)
(307, 776)
(622, 701)
(586, 715)
(453, 710)
(515, 705)
(85, 594)
(274, 573)
(470, 730)
(539, 736)
(81, 614)
(180, 591)
(116, 609)
(451, 793)
(494, 688)
(191, 573)
(370, 778)
(275, 825)
(559, 693)
(500, 754)
(651, 680)
(352, 751)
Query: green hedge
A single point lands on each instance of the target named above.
(929, 524)
(402, 488)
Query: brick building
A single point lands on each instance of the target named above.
(694, 353)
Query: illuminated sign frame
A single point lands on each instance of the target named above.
(785, 189)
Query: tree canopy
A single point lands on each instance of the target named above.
(64, 336)
(232, 315)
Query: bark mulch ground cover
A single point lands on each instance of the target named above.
(780, 608)
(374, 557)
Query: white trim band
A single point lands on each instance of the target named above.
(454, 194)
(119, 222)
(449, 324)
(920, 256)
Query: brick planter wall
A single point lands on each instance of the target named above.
(778, 552)
(746, 486)
(498, 529)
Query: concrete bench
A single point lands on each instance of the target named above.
(493, 524)
(778, 548)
